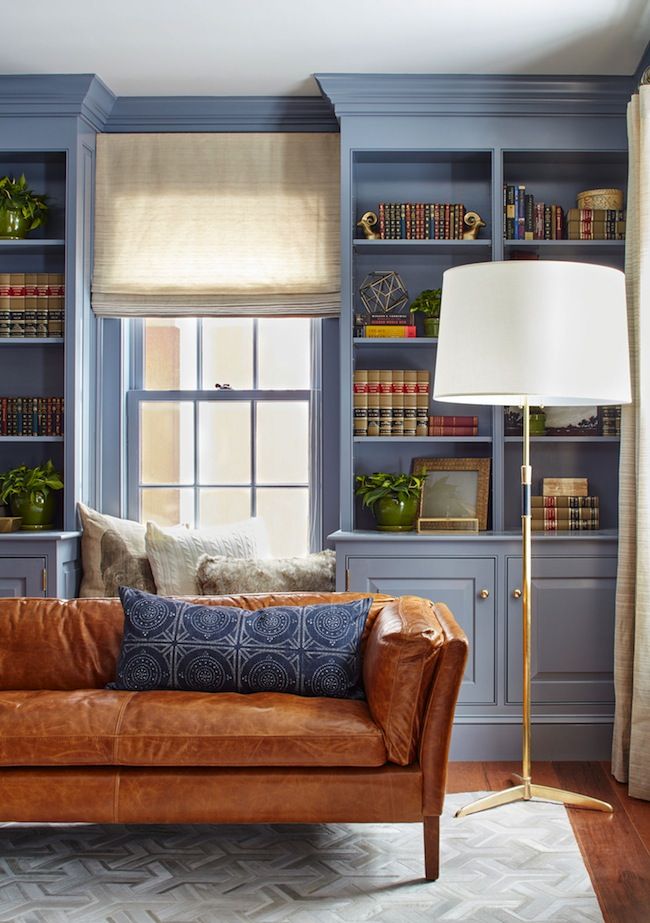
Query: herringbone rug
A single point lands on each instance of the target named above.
(517, 863)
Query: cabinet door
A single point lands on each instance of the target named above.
(458, 583)
(572, 637)
(21, 576)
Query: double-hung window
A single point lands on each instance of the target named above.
(221, 424)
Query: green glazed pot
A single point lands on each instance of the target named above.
(37, 514)
(393, 515)
(13, 226)
(431, 326)
(537, 422)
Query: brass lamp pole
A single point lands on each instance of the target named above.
(508, 335)
(526, 788)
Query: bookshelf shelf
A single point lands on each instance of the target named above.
(420, 439)
(392, 247)
(30, 245)
(31, 341)
(591, 440)
(411, 342)
(559, 244)
(31, 438)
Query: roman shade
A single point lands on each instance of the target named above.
(218, 224)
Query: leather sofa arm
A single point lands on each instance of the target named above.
(404, 656)
(439, 718)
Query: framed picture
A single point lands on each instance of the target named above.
(571, 421)
(454, 488)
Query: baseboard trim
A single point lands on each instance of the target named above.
(577, 740)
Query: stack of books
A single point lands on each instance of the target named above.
(31, 416)
(421, 221)
(31, 304)
(610, 420)
(565, 506)
(595, 224)
(453, 426)
(525, 219)
(384, 325)
(391, 402)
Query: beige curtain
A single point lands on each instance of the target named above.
(631, 748)
(217, 224)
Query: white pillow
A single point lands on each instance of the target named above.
(174, 553)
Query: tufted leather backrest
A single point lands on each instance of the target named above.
(74, 644)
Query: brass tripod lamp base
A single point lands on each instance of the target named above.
(528, 790)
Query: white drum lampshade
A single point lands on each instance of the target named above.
(552, 333)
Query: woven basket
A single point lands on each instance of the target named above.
(601, 198)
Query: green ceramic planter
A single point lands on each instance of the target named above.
(13, 226)
(393, 515)
(431, 326)
(37, 514)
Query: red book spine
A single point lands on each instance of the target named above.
(443, 420)
(453, 431)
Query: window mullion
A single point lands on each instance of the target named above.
(254, 419)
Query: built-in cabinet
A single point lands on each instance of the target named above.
(433, 140)
(33, 366)
(466, 585)
(49, 135)
(41, 565)
(479, 579)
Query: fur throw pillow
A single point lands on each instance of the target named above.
(220, 576)
(112, 553)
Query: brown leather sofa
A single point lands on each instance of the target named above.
(74, 751)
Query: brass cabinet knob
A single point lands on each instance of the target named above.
(516, 593)
(484, 594)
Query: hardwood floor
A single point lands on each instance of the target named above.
(615, 847)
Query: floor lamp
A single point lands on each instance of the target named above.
(530, 333)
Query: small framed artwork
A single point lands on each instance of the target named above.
(455, 488)
(571, 421)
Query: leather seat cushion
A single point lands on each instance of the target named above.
(106, 727)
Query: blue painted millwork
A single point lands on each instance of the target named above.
(513, 128)
(56, 96)
(442, 139)
(224, 113)
(466, 95)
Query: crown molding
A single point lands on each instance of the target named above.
(221, 113)
(474, 94)
(56, 95)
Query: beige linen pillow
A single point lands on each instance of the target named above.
(112, 554)
(174, 553)
(221, 576)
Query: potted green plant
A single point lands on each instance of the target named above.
(393, 498)
(21, 209)
(428, 303)
(30, 494)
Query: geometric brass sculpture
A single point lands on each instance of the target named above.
(383, 292)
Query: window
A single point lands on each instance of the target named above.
(220, 424)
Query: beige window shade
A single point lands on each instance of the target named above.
(217, 224)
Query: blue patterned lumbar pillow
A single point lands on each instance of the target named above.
(305, 650)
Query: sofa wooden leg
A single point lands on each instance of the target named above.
(431, 848)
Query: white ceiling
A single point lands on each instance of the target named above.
(271, 47)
